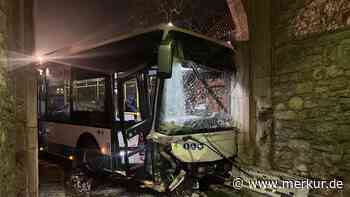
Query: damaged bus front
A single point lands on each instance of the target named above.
(193, 126)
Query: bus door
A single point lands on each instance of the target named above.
(134, 122)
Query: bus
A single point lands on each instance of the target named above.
(154, 105)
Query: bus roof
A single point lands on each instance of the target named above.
(124, 51)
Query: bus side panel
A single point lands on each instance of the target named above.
(62, 138)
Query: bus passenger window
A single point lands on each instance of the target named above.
(89, 95)
(58, 93)
(131, 101)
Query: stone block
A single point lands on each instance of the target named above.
(326, 102)
(285, 115)
(321, 89)
(296, 103)
(347, 73)
(339, 83)
(310, 104)
(343, 52)
(334, 71)
(280, 107)
(318, 73)
(326, 127)
(305, 87)
(300, 145)
(344, 100)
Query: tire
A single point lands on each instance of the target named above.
(85, 166)
(80, 183)
(89, 158)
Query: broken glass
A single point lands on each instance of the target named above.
(196, 98)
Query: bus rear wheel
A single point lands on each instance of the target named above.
(84, 166)
(80, 183)
(89, 157)
(89, 160)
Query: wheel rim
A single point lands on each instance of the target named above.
(80, 183)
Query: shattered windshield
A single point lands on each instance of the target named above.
(194, 99)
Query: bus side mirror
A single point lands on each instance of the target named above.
(165, 58)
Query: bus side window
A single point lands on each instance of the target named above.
(89, 95)
(131, 101)
(58, 93)
(89, 98)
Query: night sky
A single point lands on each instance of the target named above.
(63, 23)
(59, 23)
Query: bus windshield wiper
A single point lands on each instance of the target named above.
(211, 92)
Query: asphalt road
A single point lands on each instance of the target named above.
(54, 182)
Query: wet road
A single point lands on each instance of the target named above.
(54, 182)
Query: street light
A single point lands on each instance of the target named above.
(39, 59)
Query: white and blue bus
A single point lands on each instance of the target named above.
(154, 105)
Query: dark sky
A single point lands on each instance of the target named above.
(62, 23)
(59, 23)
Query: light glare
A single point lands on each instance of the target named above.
(40, 59)
(103, 150)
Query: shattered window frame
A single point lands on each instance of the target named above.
(179, 115)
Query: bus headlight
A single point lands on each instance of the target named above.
(103, 150)
(122, 153)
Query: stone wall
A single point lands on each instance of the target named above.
(7, 132)
(15, 38)
(311, 88)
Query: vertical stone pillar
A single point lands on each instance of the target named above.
(261, 64)
(20, 174)
(27, 144)
(252, 96)
(7, 123)
(241, 101)
(7, 133)
(31, 129)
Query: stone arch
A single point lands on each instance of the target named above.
(239, 17)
